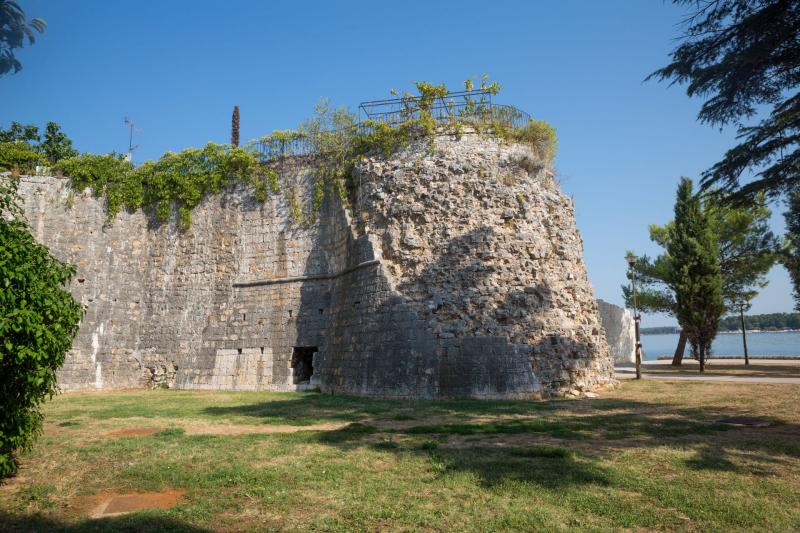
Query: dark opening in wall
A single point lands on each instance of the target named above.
(244, 317)
(290, 312)
(239, 350)
(302, 359)
(321, 311)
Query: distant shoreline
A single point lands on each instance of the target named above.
(772, 357)
(738, 331)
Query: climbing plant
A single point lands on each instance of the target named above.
(334, 140)
(176, 181)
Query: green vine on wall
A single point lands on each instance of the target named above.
(176, 180)
(334, 139)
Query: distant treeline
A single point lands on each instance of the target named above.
(768, 322)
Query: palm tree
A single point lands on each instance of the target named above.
(14, 28)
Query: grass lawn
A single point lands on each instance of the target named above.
(651, 455)
(716, 368)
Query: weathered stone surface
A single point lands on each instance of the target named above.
(619, 329)
(461, 275)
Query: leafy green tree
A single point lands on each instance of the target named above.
(56, 145)
(695, 272)
(14, 29)
(747, 247)
(790, 256)
(38, 320)
(19, 132)
(741, 55)
(747, 251)
(20, 152)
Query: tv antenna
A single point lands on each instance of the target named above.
(131, 146)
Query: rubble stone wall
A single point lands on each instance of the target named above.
(457, 273)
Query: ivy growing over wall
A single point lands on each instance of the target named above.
(176, 181)
(334, 139)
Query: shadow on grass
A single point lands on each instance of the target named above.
(709, 458)
(133, 523)
(312, 407)
(600, 427)
(495, 467)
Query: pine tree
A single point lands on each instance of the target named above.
(791, 253)
(14, 30)
(695, 271)
(741, 56)
(747, 251)
(235, 126)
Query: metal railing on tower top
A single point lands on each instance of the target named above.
(463, 106)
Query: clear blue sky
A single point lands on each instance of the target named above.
(178, 67)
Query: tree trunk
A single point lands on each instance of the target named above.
(677, 359)
(702, 359)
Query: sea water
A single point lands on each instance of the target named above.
(785, 343)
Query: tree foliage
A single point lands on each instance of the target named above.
(20, 132)
(742, 56)
(14, 30)
(790, 256)
(769, 321)
(19, 157)
(38, 320)
(56, 145)
(21, 150)
(695, 272)
(747, 251)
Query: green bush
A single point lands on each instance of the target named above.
(19, 157)
(540, 136)
(38, 320)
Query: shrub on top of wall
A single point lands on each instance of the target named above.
(19, 157)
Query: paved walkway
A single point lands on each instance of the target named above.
(627, 371)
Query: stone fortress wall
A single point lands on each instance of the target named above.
(620, 331)
(458, 273)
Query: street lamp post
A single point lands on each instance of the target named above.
(631, 259)
(742, 305)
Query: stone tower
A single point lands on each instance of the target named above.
(456, 272)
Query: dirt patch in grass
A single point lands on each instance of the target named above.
(113, 504)
(134, 432)
(210, 428)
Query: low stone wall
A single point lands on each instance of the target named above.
(458, 273)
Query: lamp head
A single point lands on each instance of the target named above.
(631, 259)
